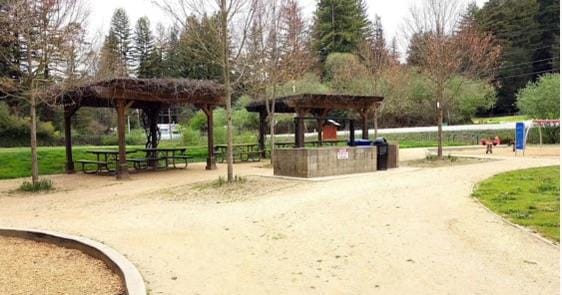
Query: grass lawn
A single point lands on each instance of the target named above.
(528, 197)
(16, 162)
(498, 120)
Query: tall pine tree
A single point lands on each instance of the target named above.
(143, 48)
(121, 31)
(546, 58)
(339, 26)
(523, 28)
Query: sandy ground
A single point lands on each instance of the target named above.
(29, 267)
(403, 231)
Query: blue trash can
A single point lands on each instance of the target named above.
(361, 142)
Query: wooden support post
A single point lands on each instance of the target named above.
(319, 126)
(299, 135)
(68, 112)
(122, 172)
(211, 160)
(153, 122)
(364, 125)
(352, 132)
(262, 132)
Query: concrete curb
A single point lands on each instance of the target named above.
(131, 277)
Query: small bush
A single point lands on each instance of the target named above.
(42, 185)
(221, 181)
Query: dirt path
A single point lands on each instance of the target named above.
(409, 230)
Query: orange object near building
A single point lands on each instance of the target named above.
(330, 130)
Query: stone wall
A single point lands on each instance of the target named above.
(326, 161)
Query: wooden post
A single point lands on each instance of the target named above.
(364, 125)
(122, 172)
(68, 139)
(299, 136)
(211, 160)
(319, 126)
(352, 132)
(262, 132)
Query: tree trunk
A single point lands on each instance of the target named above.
(440, 93)
(34, 161)
(272, 136)
(228, 94)
(376, 122)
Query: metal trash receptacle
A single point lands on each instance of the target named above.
(382, 153)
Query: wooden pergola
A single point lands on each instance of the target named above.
(318, 106)
(148, 95)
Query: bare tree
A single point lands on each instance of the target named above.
(449, 51)
(235, 17)
(46, 35)
(376, 58)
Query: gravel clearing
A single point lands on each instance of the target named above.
(404, 231)
(29, 267)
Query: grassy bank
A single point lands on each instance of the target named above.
(16, 162)
(528, 197)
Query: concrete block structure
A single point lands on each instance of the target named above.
(324, 161)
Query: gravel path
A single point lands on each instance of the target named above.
(409, 230)
(29, 267)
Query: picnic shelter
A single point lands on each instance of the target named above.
(148, 95)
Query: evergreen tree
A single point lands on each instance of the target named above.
(110, 63)
(339, 26)
(172, 55)
(546, 58)
(514, 24)
(143, 48)
(192, 53)
(415, 52)
(121, 31)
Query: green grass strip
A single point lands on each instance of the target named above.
(529, 197)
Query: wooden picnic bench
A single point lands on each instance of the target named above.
(241, 152)
(101, 166)
(155, 155)
(104, 159)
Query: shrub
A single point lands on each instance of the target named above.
(42, 185)
(541, 100)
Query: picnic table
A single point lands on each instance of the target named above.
(242, 152)
(155, 155)
(104, 158)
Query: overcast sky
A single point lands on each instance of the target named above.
(392, 13)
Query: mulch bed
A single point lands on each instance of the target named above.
(29, 267)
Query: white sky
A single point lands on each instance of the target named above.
(392, 13)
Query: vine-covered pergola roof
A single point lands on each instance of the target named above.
(317, 103)
(144, 92)
(150, 95)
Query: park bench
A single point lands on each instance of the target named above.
(220, 155)
(101, 166)
(249, 156)
(185, 158)
(145, 163)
